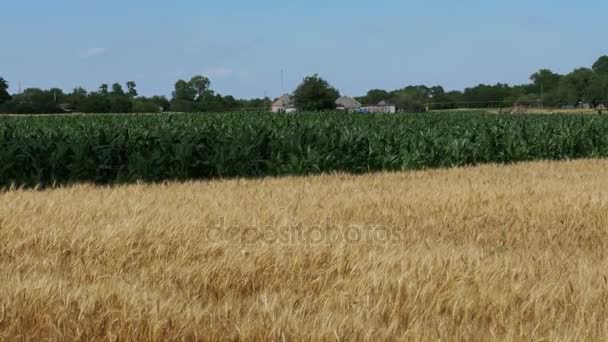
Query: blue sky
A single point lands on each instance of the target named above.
(242, 45)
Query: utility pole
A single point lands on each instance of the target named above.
(282, 83)
(19, 88)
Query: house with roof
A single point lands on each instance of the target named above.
(283, 104)
(381, 107)
(347, 103)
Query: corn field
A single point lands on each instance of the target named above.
(46, 150)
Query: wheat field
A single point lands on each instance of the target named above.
(485, 253)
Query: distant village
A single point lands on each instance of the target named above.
(286, 104)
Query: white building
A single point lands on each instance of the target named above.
(283, 104)
(382, 107)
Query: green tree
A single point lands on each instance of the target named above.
(437, 91)
(441, 99)
(131, 91)
(76, 98)
(145, 106)
(96, 103)
(154, 104)
(597, 91)
(183, 97)
(160, 102)
(314, 94)
(487, 95)
(117, 90)
(545, 81)
(4, 95)
(194, 95)
(103, 89)
(183, 92)
(374, 96)
(255, 103)
(601, 65)
(413, 98)
(58, 95)
(183, 106)
(212, 102)
(35, 101)
(120, 104)
(572, 87)
(199, 85)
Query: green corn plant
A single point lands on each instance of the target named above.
(106, 149)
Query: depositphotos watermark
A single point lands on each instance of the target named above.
(301, 234)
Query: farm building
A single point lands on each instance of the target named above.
(283, 104)
(382, 107)
(347, 103)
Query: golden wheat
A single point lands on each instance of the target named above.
(493, 252)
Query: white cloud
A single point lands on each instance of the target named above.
(92, 52)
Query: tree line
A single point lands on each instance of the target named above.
(194, 95)
(583, 86)
(546, 88)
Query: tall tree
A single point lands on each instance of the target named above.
(572, 87)
(314, 93)
(183, 91)
(200, 85)
(545, 80)
(4, 95)
(103, 89)
(117, 90)
(597, 91)
(601, 65)
(77, 98)
(131, 91)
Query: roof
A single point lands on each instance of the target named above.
(284, 101)
(348, 103)
(385, 103)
